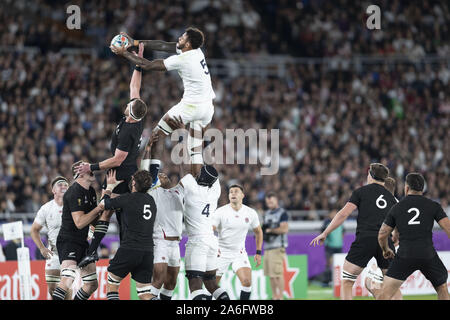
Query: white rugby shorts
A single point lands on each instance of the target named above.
(201, 253)
(238, 259)
(166, 251)
(199, 113)
(53, 263)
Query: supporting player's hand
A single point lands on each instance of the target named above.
(101, 204)
(176, 123)
(46, 253)
(130, 40)
(388, 253)
(257, 259)
(83, 168)
(153, 138)
(111, 181)
(319, 240)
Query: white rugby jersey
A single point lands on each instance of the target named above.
(49, 216)
(169, 216)
(192, 68)
(233, 225)
(200, 202)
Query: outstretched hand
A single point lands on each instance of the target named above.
(319, 240)
(111, 181)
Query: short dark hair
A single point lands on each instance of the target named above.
(379, 171)
(415, 181)
(139, 108)
(389, 184)
(142, 180)
(196, 37)
(271, 194)
(57, 179)
(236, 186)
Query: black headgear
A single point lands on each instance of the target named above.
(208, 175)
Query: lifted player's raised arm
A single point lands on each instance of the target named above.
(136, 79)
(154, 65)
(157, 45)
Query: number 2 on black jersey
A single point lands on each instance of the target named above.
(206, 210)
(413, 220)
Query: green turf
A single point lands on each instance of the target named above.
(319, 293)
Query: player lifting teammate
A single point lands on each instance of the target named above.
(167, 229)
(79, 210)
(373, 202)
(135, 254)
(196, 107)
(232, 222)
(414, 217)
(125, 144)
(201, 194)
(49, 216)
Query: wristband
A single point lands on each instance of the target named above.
(258, 252)
(137, 68)
(94, 167)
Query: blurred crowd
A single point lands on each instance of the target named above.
(57, 108)
(307, 28)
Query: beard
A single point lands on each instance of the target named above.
(180, 46)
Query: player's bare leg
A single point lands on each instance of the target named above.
(90, 283)
(277, 285)
(245, 277)
(64, 286)
(170, 283)
(398, 295)
(442, 292)
(159, 274)
(195, 146)
(349, 275)
(389, 288)
(195, 284)
(210, 283)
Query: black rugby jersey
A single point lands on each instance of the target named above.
(137, 219)
(414, 218)
(127, 137)
(374, 202)
(76, 198)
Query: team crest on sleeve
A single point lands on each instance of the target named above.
(79, 201)
(246, 220)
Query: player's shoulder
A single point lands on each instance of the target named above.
(222, 209)
(47, 206)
